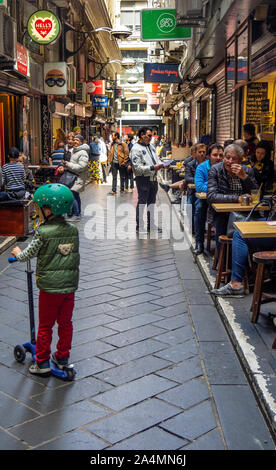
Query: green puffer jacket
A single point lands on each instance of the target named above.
(57, 268)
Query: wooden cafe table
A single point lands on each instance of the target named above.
(256, 229)
(236, 207)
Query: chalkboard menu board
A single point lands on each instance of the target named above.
(256, 94)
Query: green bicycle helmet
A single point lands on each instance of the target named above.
(56, 196)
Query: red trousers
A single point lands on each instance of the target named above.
(54, 308)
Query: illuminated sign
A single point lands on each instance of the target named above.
(161, 73)
(44, 27)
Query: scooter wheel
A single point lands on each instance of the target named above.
(19, 353)
(70, 373)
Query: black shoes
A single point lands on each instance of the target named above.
(166, 187)
(199, 249)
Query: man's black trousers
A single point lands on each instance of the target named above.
(147, 191)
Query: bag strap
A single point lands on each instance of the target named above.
(263, 202)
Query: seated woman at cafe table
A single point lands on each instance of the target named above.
(240, 249)
(214, 156)
(263, 166)
(227, 182)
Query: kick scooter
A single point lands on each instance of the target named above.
(66, 372)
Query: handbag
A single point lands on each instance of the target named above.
(68, 179)
(242, 217)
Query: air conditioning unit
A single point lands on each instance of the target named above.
(190, 12)
(81, 96)
(8, 37)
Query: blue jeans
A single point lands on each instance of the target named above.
(76, 208)
(200, 219)
(240, 249)
(4, 196)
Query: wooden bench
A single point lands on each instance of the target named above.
(15, 217)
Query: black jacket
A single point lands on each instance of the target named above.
(190, 171)
(218, 189)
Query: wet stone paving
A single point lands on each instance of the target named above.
(155, 367)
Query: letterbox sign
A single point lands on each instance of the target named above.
(22, 64)
(96, 87)
(44, 27)
(161, 73)
(100, 101)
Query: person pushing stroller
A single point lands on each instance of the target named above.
(56, 245)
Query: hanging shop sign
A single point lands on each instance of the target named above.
(153, 99)
(100, 101)
(95, 87)
(161, 73)
(160, 25)
(44, 27)
(55, 79)
(22, 64)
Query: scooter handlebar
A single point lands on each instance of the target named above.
(12, 259)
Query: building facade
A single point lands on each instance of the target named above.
(31, 113)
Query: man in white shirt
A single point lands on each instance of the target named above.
(145, 163)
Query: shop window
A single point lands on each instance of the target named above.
(237, 58)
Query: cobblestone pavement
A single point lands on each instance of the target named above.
(155, 367)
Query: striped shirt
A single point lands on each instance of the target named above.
(57, 156)
(13, 176)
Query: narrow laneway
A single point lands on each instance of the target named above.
(155, 367)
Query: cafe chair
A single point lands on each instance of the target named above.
(263, 259)
(224, 264)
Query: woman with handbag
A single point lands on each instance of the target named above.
(78, 165)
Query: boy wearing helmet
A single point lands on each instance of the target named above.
(56, 245)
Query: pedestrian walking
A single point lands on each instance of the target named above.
(94, 158)
(56, 246)
(103, 159)
(78, 165)
(145, 163)
(129, 181)
(118, 158)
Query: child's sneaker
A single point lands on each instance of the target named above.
(61, 362)
(42, 369)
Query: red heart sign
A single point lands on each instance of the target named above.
(43, 27)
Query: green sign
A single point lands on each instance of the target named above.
(160, 25)
(43, 27)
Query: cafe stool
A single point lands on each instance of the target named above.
(210, 235)
(262, 258)
(223, 268)
(215, 260)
